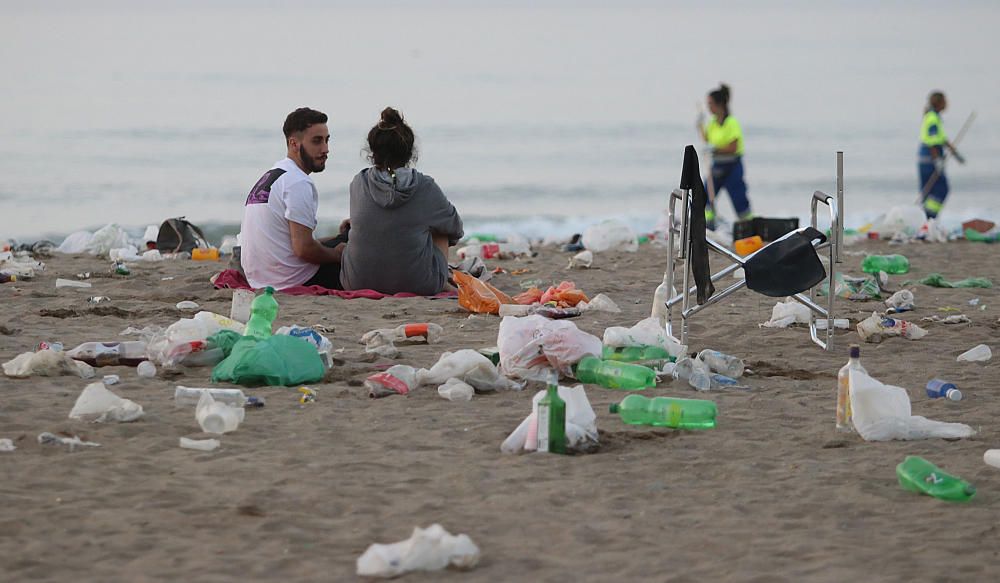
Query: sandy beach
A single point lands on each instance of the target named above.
(773, 494)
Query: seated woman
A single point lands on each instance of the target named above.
(401, 222)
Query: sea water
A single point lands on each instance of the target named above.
(536, 118)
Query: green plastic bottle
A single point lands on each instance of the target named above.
(614, 375)
(655, 355)
(666, 412)
(919, 475)
(263, 312)
(892, 264)
(552, 421)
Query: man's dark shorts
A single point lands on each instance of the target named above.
(328, 275)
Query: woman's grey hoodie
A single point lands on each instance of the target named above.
(390, 247)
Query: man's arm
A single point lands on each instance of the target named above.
(309, 249)
(730, 149)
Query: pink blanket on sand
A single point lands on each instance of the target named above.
(233, 279)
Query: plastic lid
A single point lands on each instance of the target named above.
(954, 394)
(613, 407)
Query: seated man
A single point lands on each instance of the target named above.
(278, 248)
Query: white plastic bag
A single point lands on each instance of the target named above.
(978, 353)
(470, 366)
(646, 332)
(599, 303)
(530, 347)
(581, 424)
(900, 220)
(107, 238)
(610, 234)
(456, 390)
(97, 404)
(46, 363)
(786, 313)
(428, 549)
(882, 412)
(76, 242)
(396, 380)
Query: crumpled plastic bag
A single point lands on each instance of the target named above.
(275, 361)
(882, 412)
(107, 238)
(938, 280)
(600, 303)
(564, 295)
(786, 313)
(581, 424)
(46, 363)
(646, 332)
(900, 220)
(531, 346)
(469, 366)
(856, 289)
(97, 404)
(456, 390)
(76, 242)
(427, 549)
(478, 296)
(610, 234)
(396, 380)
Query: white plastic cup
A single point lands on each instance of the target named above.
(146, 369)
(992, 457)
(980, 353)
(187, 396)
(242, 299)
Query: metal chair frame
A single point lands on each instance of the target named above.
(678, 250)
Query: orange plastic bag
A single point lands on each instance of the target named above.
(565, 295)
(478, 296)
(526, 298)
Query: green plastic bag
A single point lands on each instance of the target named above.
(277, 361)
(938, 280)
(224, 339)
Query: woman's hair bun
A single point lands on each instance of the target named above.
(390, 117)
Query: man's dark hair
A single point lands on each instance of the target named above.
(301, 119)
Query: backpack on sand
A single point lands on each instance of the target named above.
(178, 235)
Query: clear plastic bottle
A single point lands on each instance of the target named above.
(722, 363)
(110, 353)
(187, 396)
(646, 354)
(666, 412)
(695, 372)
(844, 388)
(263, 312)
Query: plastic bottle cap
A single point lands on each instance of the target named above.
(954, 394)
(613, 407)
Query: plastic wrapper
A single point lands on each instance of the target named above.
(46, 363)
(530, 347)
(469, 366)
(646, 332)
(581, 424)
(396, 380)
(456, 390)
(478, 296)
(786, 313)
(882, 412)
(97, 404)
(428, 549)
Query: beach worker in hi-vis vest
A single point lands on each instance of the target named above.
(725, 137)
(931, 156)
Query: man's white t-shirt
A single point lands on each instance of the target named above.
(285, 193)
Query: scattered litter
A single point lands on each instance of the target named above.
(97, 404)
(478, 296)
(882, 412)
(84, 275)
(901, 301)
(992, 457)
(456, 390)
(938, 280)
(307, 395)
(612, 234)
(396, 380)
(974, 302)
(980, 353)
(382, 341)
(52, 439)
(581, 424)
(428, 549)
(7, 445)
(838, 323)
(786, 313)
(875, 327)
(240, 308)
(954, 319)
(582, 260)
(200, 444)
(111, 379)
(70, 283)
(600, 303)
(190, 396)
(564, 295)
(646, 332)
(46, 363)
(919, 475)
(530, 347)
(469, 366)
(98, 299)
(187, 305)
(146, 369)
(217, 417)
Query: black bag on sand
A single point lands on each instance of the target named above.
(178, 235)
(788, 266)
